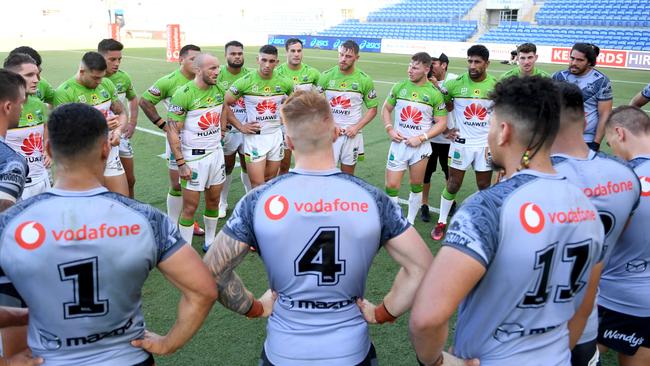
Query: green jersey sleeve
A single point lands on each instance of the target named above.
(288, 85)
(112, 90)
(314, 75)
(158, 91)
(63, 95)
(451, 89)
(179, 105)
(438, 103)
(392, 96)
(369, 93)
(130, 91)
(45, 91)
(240, 86)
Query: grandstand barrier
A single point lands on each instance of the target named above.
(327, 43)
(622, 59)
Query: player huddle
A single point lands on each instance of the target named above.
(546, 266)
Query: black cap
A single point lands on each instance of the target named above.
(441, 58)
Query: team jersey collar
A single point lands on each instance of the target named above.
(590, 156)
(642, 156)
(538, 174)
(67, 193)
(316, 172)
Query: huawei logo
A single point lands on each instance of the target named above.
(240, 103)
(475, 111)
(340, 102)
(30, 235)
(209, 119)
(276, 207)
(531, 217)
(410, 113)
(33, 142)
(266, 106)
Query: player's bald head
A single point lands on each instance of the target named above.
(308, 119)
(202, 58)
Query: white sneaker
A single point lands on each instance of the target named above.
(223, 210)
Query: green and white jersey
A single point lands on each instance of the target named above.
(416, 106)
(123, 85)
(102, 97)
(263, 98)
(471, 108)
(45, 91)
(517, 72)
(27, 138)
(347, 94)
(163, 89)
(225, 80)
(200, 112)
(304, 79)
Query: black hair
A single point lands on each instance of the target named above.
(351, 45)
(109, 44)
(187, 48)
(591, 51)
(94, 61)
(269, 50)
(527, 48)
(30, 51)
(15, 60)
(572, 101)
(480, 51)
(233, 44)
(73, 129)
(10, 85)
(291, 41)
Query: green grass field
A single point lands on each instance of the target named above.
(227, 338)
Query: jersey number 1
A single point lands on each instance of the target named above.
(84, 275)
(320, 257)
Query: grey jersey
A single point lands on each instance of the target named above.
(538, 250)
(614, 189)
(625, 282)
(79, 260)
(13, 173)
(317, 233)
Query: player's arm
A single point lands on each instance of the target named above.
(13, 317)
(151, 112)
(639, 100)
(386, 110)
(12, 183)
(132, 97)
(224, 255)
(579, 320)
(173, 130)
(450, 278)
(370, 114)
(604, 110)
(191, 277)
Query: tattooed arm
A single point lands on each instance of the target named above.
(223, 256)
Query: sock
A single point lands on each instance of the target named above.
(446, 200)
(415, 200)
(245, 180)
(174, 204)
(223, 200)
(186, 227)
(210, 219)
(393, 194)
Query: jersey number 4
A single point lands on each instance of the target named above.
(84, 275)
(320, 257)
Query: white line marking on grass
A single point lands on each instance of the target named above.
(153, 132)
(431, 209)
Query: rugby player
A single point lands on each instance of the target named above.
(162, 91)
(304, 77)
(194, 126)
(318, 270)
(348, 89)
(526, 59)
(263, 91)
(45, 91)
(641, 98)
(439, 76)
(611, 186)
(515, 300)
(624, 297)
(112, 52)
(27, 138)
(91, 87)
(420, 114)
(596, 90)
(85, 303)
(233, 141)
(467, 98)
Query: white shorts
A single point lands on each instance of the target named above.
(113, 164)
(348, 150)
(461, 157)
(285, 146)
(126, 151)
(233, 142)
(401, 156)
(43, 185)
(171, 159)
(208, 169)
(264, 146)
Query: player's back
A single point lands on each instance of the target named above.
(79, 259)
(317, 245)
(538, 250)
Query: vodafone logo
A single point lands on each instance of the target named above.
(531, 217)
(276, 207)
(645, 186)
(30, 235)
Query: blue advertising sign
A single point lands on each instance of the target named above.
(327, 43)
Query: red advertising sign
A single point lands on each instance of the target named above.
(114, 31)
(609, 58)
(173, 42)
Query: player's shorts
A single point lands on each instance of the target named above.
(233, 142)
(370, 360)
(461, 157)
(32, 189)
(439, 154)
(348, 150)
(126, 151)
(400, 156)
(171, 159)
(264, 146)
(585, 354)
(622, 332)
(285, 146)
(208, 169)
(113, 163)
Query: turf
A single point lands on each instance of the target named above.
(230, 339)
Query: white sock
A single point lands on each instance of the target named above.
(174, 207)
(210, 229)
(245, 180)
(415, 201)
(187, 233)
(445, 207)
(394, 199)
(223, 200)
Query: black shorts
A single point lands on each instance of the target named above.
(582, 354)
(370, 360)
(148, 362)
(439, 153)
(622, 332)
